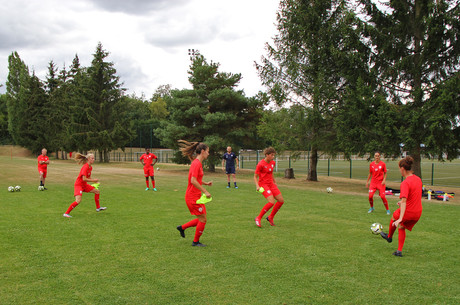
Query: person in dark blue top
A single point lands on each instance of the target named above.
(229, 159)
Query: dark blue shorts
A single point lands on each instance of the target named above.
(230, 170)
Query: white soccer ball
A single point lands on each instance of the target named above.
(158, 168)
(41, 187)
(376, 228)
(329, 189)
(11, 189)
(17, 188)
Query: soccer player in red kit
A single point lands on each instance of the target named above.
(43, 162)
(378, 172)
(263, 177)
(81, 184)
(410, 205)
(197, 153)
(147, 160)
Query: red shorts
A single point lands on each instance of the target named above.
(378, 186)
(406, 223)
(148, 171)
(42, 172)
(270, 190)
(194, 208)
(79, 190)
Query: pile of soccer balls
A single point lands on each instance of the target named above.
(16, 188)
(376, 228)
(41, 188)
(329, 190)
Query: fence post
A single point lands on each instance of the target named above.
(328, 166)
(432, 173)
(351, 167)
(242, 162)
(289, 161)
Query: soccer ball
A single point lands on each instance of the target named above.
(158, 168)
(376, 228)
(11, 189)
(329, 190)
(41, 187)
(17, 188)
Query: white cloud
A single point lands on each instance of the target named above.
(147, 40)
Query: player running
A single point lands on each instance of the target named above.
(378, 172)
(147, 160)
(197, 153)
(81, 184)
(263, 178)
(410, 205)
(43, 162)
(229, 159)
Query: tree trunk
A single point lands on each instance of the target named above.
(417, 166)
(106, 156)
(312, 173)
(101, 156)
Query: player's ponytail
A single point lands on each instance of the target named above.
(80, 158)
(191, 149)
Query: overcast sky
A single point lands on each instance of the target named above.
(148, 40)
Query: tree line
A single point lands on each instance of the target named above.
(339, 79)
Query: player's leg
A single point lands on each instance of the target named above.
(279, 203)
(372, 190)
(42, 180)
(384, 199)
(234, 180)
(72, 206)
(97, 195)
(146, 175)
(271, 202)
(152, 177)
(199, 230)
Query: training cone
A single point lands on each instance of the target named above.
(203, 199)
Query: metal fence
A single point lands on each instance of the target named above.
(433, 172)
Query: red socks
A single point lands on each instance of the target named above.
(96, 200)
(401, 238)
(153, 183)
(71, 207)
(191, 223)
(391, 229)
(147, 182)
(275, 209)
(199, 231)
(265, 209)
(199, 228)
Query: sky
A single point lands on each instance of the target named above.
(148, 40)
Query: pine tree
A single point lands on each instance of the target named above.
(416, 52)
(315, 56)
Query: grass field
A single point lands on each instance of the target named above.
(320, 252)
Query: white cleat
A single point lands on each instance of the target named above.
(66, 215)
(101, 209)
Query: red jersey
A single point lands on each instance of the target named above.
(411, 189)
(377, 171)
(196, 170)
(85, 171)
(44, 166)
(148, 159)
(265, 172)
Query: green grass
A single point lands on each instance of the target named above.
(320, 252)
